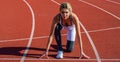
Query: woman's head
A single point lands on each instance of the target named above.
(65, 10)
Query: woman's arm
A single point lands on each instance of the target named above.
(78, 31)
(54, 23)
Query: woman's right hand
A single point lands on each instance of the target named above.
(84, 56)
(44, 56)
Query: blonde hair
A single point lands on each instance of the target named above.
(66, 5)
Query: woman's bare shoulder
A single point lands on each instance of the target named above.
(74, 15)
(57, 17)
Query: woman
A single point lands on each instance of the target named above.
(68, 20)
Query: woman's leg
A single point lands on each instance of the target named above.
(71, 39)
(58, 36)
(58, 41)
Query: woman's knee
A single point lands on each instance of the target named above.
(70, 46)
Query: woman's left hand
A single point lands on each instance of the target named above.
(44, 56)
(84, 56)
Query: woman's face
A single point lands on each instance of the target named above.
(65, 13)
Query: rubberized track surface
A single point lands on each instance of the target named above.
(29, 21)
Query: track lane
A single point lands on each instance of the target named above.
(38, 47)
(108, 6)
(106, 39)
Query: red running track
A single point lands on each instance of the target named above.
(16, 25)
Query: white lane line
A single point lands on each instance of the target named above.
(60, 59)
(90, 39)
(55, 2)
(92, 43)
(113, 2)
(107, 29)
(32, 31)
(101, 9)
(21, 39)
(41, 37)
